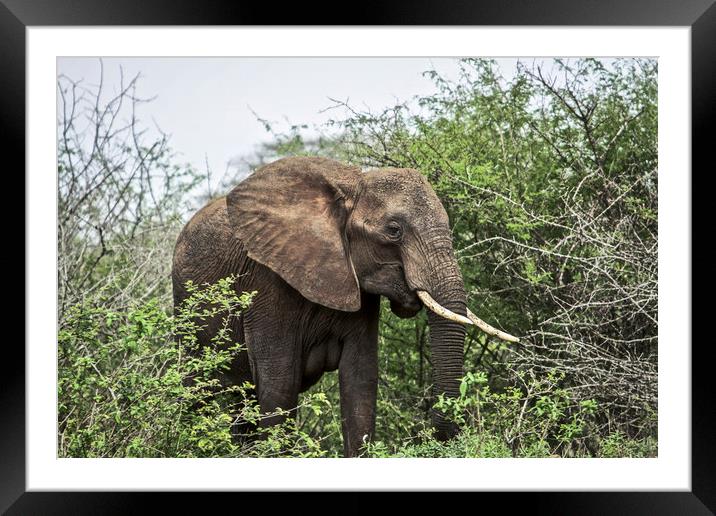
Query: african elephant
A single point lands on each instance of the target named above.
(321, 241)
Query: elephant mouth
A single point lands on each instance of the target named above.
(406, 308)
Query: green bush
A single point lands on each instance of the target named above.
(537, 420)
(134, 383)
(618, 444)
(128, 388)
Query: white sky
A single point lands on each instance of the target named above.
(205, 104)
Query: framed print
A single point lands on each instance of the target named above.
(439, 250)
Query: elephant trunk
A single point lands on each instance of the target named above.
(447, 337)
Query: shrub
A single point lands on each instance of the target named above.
(128, 387)
(537, 420)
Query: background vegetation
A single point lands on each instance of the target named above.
(550, 181)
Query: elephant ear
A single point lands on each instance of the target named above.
(291, 216)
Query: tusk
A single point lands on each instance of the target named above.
(471, 318)
(441, 310)
(489, 329)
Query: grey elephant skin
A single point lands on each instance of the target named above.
(321, 241)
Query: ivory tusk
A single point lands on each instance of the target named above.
(471, 318)
(440, 310)
(489, 329)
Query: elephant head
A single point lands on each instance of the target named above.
(332, 231)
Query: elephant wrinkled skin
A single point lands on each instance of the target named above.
(321, 241)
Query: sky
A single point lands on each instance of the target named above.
(206, 104)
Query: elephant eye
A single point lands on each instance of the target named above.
(393, 230)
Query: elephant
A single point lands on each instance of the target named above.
(320, 242)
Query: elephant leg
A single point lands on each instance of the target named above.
(275, 364)
(358, 379)
(276, 393)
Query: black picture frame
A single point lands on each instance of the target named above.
(700, 15)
